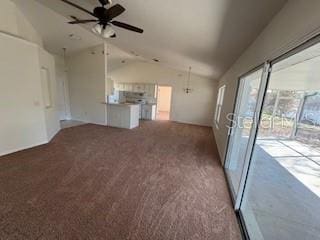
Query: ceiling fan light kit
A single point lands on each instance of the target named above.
(108, 32)
(105, 32)
(104, 18)
(97, 29)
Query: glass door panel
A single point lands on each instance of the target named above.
(282, 193)
(242, 125)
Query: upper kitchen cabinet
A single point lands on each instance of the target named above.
(139, 87)
(150, 90)
(119, 86)
(128, 87)
(147, 88)
(110, 86)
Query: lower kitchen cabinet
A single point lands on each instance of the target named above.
(149, 111)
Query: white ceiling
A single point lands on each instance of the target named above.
(56, 34)
(54, 30)
(208, 35)
(118, 58)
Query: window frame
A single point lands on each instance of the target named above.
(219, 104)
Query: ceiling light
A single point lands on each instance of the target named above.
(105, 32)
(108, 32)
(97, 29)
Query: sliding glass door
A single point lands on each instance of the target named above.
(244, 122)
(281, 195)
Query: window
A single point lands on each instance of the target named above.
(219, 105)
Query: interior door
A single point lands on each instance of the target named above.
(244, 125)
(62, 100)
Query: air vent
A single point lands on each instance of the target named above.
(74, 37)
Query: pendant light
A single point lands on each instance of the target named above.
(188, 90)
(65, 59)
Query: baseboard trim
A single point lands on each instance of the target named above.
(7, 152)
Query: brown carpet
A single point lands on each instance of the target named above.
(160, 181)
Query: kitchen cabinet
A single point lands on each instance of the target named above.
(123, 115)
(147, 88)
(122, 86)
(150, 90)
(148, 111)
(119, 86)
(128, 87)
(110, 87)
(139, 88)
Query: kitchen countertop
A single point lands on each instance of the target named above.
(150, 104)
(123, 104)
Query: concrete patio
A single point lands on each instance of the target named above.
(282, 197)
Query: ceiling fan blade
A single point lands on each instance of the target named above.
(127, 26)
(82, 21)
(78, 7)
(115, 11)
(74, 18)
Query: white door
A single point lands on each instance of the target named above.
(63, 96)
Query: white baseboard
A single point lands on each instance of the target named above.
(6, 152)
(192, 123)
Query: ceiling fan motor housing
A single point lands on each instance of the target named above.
(101, 13)
(104, 2)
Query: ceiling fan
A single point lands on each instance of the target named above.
(104, 18)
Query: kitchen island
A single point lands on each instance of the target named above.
(123, 115)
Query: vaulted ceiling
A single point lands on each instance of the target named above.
(208, 35)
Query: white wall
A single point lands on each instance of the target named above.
(13, 22)
(86, 75)
(296, 22)
(194, 108)
(23, 122)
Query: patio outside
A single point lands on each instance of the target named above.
(284, 186)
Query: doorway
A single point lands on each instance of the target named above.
(62, 92)
(164, 103)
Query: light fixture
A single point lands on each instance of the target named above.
(97, 29)
(108, 32)
(104, 31)
(188, 90)
(65, 59)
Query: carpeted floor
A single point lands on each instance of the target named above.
(160, 181)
